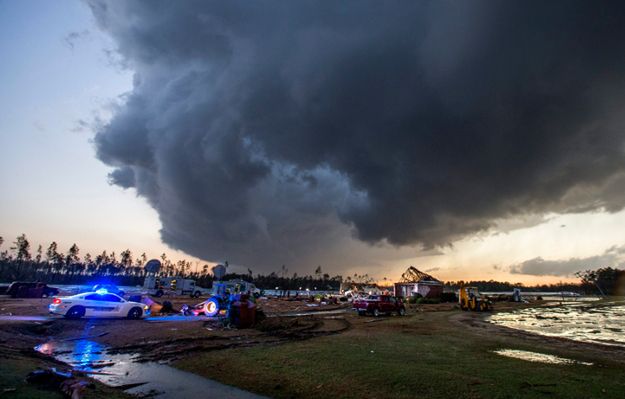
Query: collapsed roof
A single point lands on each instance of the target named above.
(414, 275)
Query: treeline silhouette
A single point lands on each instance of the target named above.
(602, 281)
(20, 263)
(492, 285)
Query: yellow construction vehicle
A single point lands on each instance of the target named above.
(471, 299)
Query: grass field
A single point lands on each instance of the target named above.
(420, 356)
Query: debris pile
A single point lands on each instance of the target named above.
(54, 379)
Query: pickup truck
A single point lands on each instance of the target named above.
(21, 289)
(378, 304)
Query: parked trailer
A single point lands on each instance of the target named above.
(159, 286)
(234, 287)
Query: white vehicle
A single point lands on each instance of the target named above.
(97, 304)
(234, 286)
(159, 286)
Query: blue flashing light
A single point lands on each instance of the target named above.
(102, 291)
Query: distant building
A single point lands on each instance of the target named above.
(417, 283)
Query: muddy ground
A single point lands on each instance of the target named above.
(172, 337)
(164, 336)
(25, 323)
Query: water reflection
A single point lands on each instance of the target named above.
(538, 357)
(82, 354)
(153, 379)
(602, 324)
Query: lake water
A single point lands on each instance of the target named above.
(602, 323)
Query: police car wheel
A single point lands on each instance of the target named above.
(135, 313)
(75, 312)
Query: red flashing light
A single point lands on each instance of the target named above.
(56, 301)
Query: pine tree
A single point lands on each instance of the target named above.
(39, 254)
(22, 248)
(51, 252)
(126, 258)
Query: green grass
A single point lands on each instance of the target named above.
(406, 360)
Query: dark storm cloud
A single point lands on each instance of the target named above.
(612, 257)
(123, 177)
(266, 130)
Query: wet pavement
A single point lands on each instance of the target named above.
(151, 378)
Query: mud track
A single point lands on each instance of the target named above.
(270, 332)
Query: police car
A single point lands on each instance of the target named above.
(99, 303)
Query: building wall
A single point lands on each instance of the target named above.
(429, 290)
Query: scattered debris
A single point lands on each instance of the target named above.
(50, 378)
(74, 388)
(55, 379)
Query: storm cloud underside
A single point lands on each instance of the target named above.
(611, 257)
(269, 132)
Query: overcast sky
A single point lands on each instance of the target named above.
(471, 139)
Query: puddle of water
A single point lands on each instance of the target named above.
(538, 357)
(158, 379)
(580, 322)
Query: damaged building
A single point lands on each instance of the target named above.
(417, 283)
